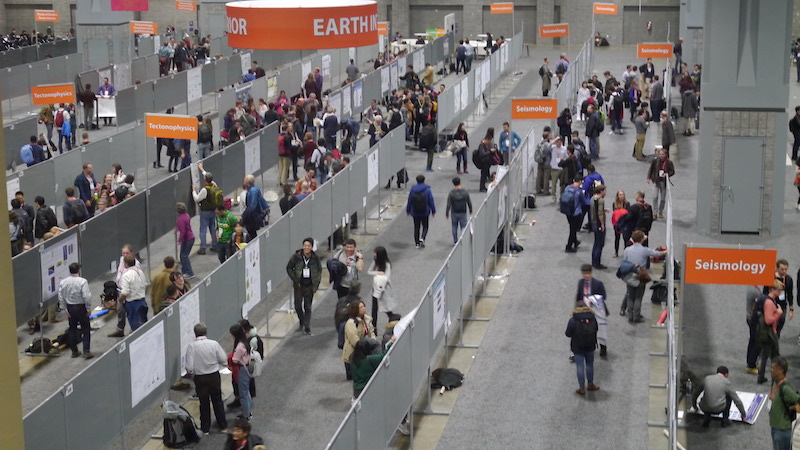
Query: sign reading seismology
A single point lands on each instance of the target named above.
(182, 5)
(501, 8)
(554, 30)
(49, 94)
(302, 24)
(47, 15)
(171, 126)
(657, 50)
(527, 109)
(605, 8)
(730, 266)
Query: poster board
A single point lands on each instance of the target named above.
(190, 316)
(194, 83)
(148, 363)
(55, 261)
(252, 155)
(372, 170)
(439, 303)
(252, 277)
(347, 107)
(326, 66)
(272, 86)
(358, 100)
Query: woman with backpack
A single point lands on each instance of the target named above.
(582, 331)
(237, 362)
(461, 139)
(255, 343)
(358, 326)
(620, 208)
(381, 271)
(486, 150)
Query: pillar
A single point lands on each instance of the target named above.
(546, 14)
(399, 19)
(744, 94)
(103, 35)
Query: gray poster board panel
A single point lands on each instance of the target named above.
(99, 246)
(259, 90)
(38, 74)
(209, 77)
(221, 295)
(234, 75)
(161, 208)
(143, 98)
(131, 223)
(226, 101)
(126, 105)
(38, 180)
(214, 165)
(399, 387)
(269, 147)
(130, 152)
(12, 58)
(130, 412)
(221, 76)
(92, 410)
(15, 81)
(47, 416)
(358, 184)
(138, 69)
(74, 64)
(453, 290)
(384, 160)
(447, 110)
(183, 190)
(27, 285)
(398, 150)
(341, 193)
(348, 435)
(233, 167)
(278, 247)
(480, 226)
(492, 202)
(421, 335)
(169, 91)
(468, 271)
(287, 83)
(19, 134)
(300, 222)
(172, 334)
(322, 212)
(100, 155)
(372, 415)
(69, 166)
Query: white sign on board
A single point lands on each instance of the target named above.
(194, 83)
(190, 316)
(252, 155)
(372, 170)
(148, 363)
(252, 277)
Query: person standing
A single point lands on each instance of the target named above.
(767, 334)
(667, 132)
(63, 127)
(132, 292)
(208, 198)
(751, 299)
(639, 256)
(786, 298)
(657, 98)
(380, 269)
(558, 153)
(159, 284)
(594, 126)
(203, 358)
(689, 108)
(589, 286)
(718, 394)
(784, 404)
(305, 270)
(255, 207)
(352, 70)
(661, 169)
(486, 155)
(571, 205)
(353, 260)
(183, 226)
(597, 211)
(420, 206)
(542, 157)
(794, 128)
(88, 98)
(86, 185)
(546, 75)
(582, 331)
(461, 55)
(461, 138)
(107, 90)
(226, 223)
(74, 297)
(127, 250)
(240, 360)
(510, 140)
(357, 326)
(640, 124)
(460, 204)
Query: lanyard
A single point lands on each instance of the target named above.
(773, 391)
(305, 261)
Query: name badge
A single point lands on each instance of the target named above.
(508, 143)
(306, 272)
(661, 173)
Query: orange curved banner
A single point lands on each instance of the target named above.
(654, 50)
(182, 5)
(171, 126)
(730, 266)
(253, 25)
(47, 15)
(534, 109)
(144, 27)
(554, 30)
(53, 93)
(501, 8)
(606, 8)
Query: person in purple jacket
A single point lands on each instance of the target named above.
(420, 206)
(185, 239)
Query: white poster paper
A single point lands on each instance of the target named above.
(335, 101)
(272, 87)
(464, 93)
(252, 155)
(404, 322)
(393, 75)
(190, 316)
(156, 43)
(55, 261)
(12, 186)
(419, 60)
(194, 83)
(439, 304)
(347, 107)
(501, 200)
(358, 101)
(401, 65)
(446, 47)
(195, 171)
(351, 52)
(372, 171)
(457, 96)
(245, 60)
(487, 74)
(306, 65)
(752, 403)
(326, 66)
(148, 363)
(252, 277)
(385, 79)
(478, 83)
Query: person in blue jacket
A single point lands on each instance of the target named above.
(509, 141)
(420, 206)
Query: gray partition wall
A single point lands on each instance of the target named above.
(29, 55)
(16, 135)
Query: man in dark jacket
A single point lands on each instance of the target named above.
(794, 128)
(85, 183)
(305, 270)
(594, 126)
(420, 206)
(427, 143)
(45, 218)
(582, 331)
(460, 205)
(660, 169)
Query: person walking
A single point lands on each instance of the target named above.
(784, 405)
(582, 331)
(256, 208)
(305, 270)
(380, 269)
(571, 205)
(240, 359)
(203, 358)
(769, 314)
(689, 108)
(592, 292)
(667, 132)
(718, 394)
(661, 169)
(420, 206)
(641, 133)
(547, 76)
(74, 297)
(183, 226)
(597, 211)
(460, 205)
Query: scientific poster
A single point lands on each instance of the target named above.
(122, 75)
(272, 87)
(336, 101)
(403, 323)
(487, 74)
(55, 263)
(358, 102)
(148, 363)
(252, 277)
(245, 60)
(439, 304)
(446, 47)
(393, 75)
(195, 171)
(326, 66)
(372, 170)
(190, 316)
(478, 83)
(464, 93)
(501, 202)
(457, 96)
(252, 155)
(194, 83)
(306, 70)
(384, 79)
(752, 403)
(347, 107)
(419, 60)
(401, 64)
(12, 186)
(156, 43)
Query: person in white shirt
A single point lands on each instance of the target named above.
(557, 154)
(74, 296)
(132, 287)
(122, 314)
(203, 358)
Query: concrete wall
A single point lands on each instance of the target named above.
(19, 14)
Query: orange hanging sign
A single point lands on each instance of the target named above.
(182, 5)
(138, 27)
(605, 8)
(654, 50)
(53, 93)
(171, 126)
(47, 15)
(534, 108)
(501, 8)
(554, 30)
(730, 266)
(383, 28)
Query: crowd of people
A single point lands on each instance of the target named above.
(24, 38)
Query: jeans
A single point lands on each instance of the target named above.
(63, 137)
(186, 161)
(186, 263)
(122, 315)
(303, 295)
(461, 159)
(584, 363)
(459, 220)
(599, 243)
(781, 439)
(222, 250)
(752, 346)
(468, 63)
(420, 223)
(616, 121)
(49, 128)
(209, 392)
(594, 147)
(78, 315)
(574, 225)
(660, 196)
(634, 303)
(208, 222)
(203, 149)
(137, 312)
(244, 392)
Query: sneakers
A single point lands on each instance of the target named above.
(188, 277)
(422, 243)
(235, 404)
(117, 333)
(416, 245)
(571, 358)
(202, 251)
(580, 391)
(751, 370)
(307, 332)
(76, 354)
(622, 312)
(88, 355)
(593, 387)
(726, 423)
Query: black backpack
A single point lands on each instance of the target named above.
(419, 202)
(78, 213)
(204, 134)
(585, 334)
(645, 217)
(477, 160)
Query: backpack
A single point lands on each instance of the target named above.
(419, 202)
(585, 333)
(204, 134)
(120, 193)
(40, 345)
(179, 426)
(538, 156)
(340, 342)
(256, 366)
(446, 378)
(78, 213)
(541, 71)
(26, 154)
(645, 217)
(595, 184)
(214, 198)
(59, 118)
(568, 202)
(42, 222)
(477, 160)
(110, 295)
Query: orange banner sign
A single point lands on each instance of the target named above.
(654, 50)
(527, 109)
(47, 15)
(554, 30)
(268, 25)
(144, 28)
(730, 266)
(171, 126)
(383, 28)
(182, 5)
(605, 8)
(501, 8)
(53, 93)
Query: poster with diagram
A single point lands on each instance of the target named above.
(245, 60)
(306, 69)
(326, 66)
(148, 363)
(372, 170)
(439, 303)
(272, 87)
(190, 316)
(385, 74)
(252, 155)
(464, 93)
(252, 276)
(358, 102)
(347, 107)
(55, 261)
(194, 84)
